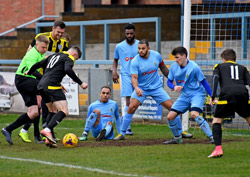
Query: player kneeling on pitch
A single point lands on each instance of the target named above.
(101, 115)
(56, 66)
(233, 96)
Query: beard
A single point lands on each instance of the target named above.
(143, 56)
(130, 40)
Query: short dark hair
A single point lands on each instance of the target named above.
(77, 49)
(144, 41)
(228, 54)
(179, 50)
(59, 23)
(105, 86)
(129, 26)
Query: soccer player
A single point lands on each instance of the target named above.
(27, 86)
(59, 42)
(101, 115)
(233, 96)
(56, 67)
(146, 82)
(125, 51)
(190, 82)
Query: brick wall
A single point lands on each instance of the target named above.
(170, 22)
(17, 12)
(15, 47)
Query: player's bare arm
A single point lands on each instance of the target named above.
(134, 78)
(164, 69)
(115, 75)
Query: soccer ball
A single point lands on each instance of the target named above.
(70, 140)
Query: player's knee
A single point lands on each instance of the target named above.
(98, 112)
(131, 109)
(66, 112)
(171, 115)
(33, 114)
(194, 115)
(109, 123)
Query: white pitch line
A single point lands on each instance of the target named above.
(68, 166)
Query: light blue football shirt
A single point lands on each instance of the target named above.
(125, 53)
(109, 111)
(189, 77)
(147, 70)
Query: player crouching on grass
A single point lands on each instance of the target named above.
(233, 96)
(101, 115)
(56, 67)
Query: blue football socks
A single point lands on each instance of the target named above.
(108, 128)
(90, 122)
(126, 108)
(125, 123)
(173, 125)
(204, 126)
(178, 119)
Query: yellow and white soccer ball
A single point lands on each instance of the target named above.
(70, 140)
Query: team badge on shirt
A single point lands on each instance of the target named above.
(59, 46)
(187, 76)
(111, 109)
(155, 63)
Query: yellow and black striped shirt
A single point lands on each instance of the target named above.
(54, 46)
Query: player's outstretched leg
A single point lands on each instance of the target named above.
(21, 120)
(129, 130)
(205, 128)
(184, 134)
(217, 132)
(88, 125)
(173, 125)
(126, 121)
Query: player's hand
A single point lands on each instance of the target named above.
(84, 85)
(26, 73)
(64, 89)
(178, 88)
(212, 102)
(139, 92)
(115, 78)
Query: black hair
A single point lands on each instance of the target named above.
(77, 49)
(105, 86)
(129, 26)
(228, 54)
(179, 50)
(144, 41)
(59, 23)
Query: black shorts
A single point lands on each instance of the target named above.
(27, 87)
(228, 110)
(52, 95)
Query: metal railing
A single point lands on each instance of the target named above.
(106, 24)
(96, 63)
(29, 23)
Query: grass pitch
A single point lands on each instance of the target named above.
(142, 154)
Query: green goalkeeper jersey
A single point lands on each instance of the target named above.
(31, 57)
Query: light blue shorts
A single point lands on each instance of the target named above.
(126, 86)
(184, 103)
(95, 131)
(159, 95)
